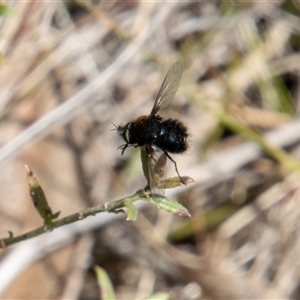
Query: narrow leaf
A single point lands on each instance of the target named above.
(173, 182)
(144, 160)
(169, 205)
(131, 211)
(39, 199)
(107, 291)
(159, 296)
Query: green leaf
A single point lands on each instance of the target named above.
(39, 199)
(145, 166)
(169, 205)
(131, 211)
(173, 182)
(107, 291)
(159, 296)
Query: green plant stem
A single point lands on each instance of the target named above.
(115, 206)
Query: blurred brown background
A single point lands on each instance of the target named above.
(71, 68)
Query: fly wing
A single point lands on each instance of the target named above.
(156, 168)
(159, 168)
(168, 88)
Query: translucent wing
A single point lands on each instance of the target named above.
(157, 163)
(155, 168)
(168, 88)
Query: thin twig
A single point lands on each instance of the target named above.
(115, 206)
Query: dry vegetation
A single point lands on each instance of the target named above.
(70, 68)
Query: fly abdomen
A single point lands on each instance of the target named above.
(173, 136)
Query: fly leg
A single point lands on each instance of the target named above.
(174, 162)
(123, 148)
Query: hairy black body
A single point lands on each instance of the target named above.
(169, 135)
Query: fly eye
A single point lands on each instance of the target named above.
(126, 133)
